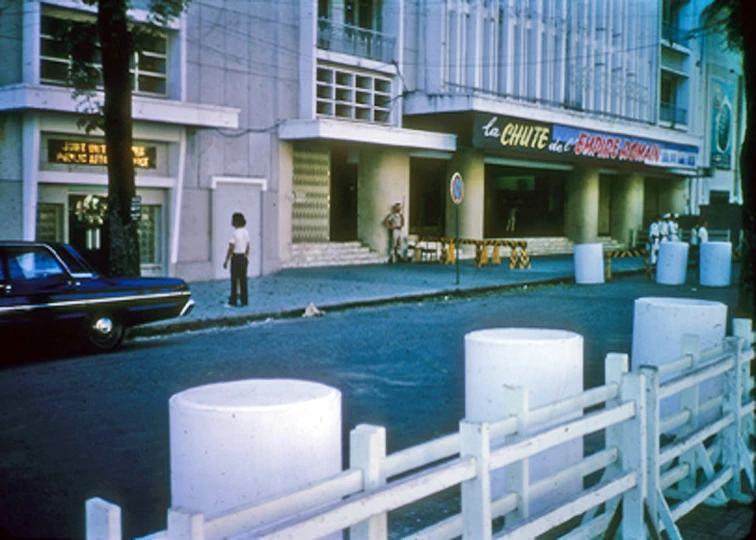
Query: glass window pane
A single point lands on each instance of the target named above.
(153, 85)
(150, 248)
(155, 44)
(52, 49)
(34, 263)
(49, 222)
(148, 62)
(54, 71)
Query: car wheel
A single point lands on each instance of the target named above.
(103, 333)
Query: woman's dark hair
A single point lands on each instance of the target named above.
(237, 220)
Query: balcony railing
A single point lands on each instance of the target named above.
(668, 112)
(356, 41)
(674, 34)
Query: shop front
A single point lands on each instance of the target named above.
(72, 197)
(549, 179)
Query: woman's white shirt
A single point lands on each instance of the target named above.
(240, 240)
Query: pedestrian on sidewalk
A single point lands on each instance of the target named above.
(394, 222)
(654, 237)
(238, 254)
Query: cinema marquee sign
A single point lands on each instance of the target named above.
(94, 153)
(504, 133)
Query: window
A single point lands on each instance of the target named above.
(360, 13)
(150, 235)
(49, 222)
(149, 67)
(345, 93)
(33, 263)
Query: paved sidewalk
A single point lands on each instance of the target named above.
(288, 292)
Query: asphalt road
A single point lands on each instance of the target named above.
(75, 427)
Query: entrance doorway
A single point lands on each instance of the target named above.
(85, 233)
(523, 203)
(428, 189)
(343, 205)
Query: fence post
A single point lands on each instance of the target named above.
(184, 524)
(517, 476)
(689, 399)
(732, 435)
(475, 441)
(103, 520)
(741, 328)
(634, 458)
(367, 451)
(615, 365)
(653, 480)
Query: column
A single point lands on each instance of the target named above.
(468, 163)
(383, 179)
(627, 207)
(238, 443)
(581, 209)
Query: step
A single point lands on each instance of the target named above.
(309, 255)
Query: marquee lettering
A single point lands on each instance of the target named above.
(525, 136)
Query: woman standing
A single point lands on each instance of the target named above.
(238, 253)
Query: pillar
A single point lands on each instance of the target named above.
(589, 263)
(238, 443)
(627, 207)
(383, 179)
(582, 206)
(549, 364)
(672, 195)
(659, 325)
(715, 263)
(468, 163)
(672, 265)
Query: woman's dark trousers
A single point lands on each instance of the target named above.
(238, 279)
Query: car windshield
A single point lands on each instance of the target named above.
(75, 262)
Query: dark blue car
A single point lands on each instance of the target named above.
(50, 287)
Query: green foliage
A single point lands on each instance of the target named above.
(728, 17)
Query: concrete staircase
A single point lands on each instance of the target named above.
(560, 245)
(308, 255)
(315, 254)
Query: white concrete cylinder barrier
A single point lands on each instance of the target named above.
(589, 263)
(659, 325)
(549, 364)
(715, 264)
(238, 443)
(672, 266)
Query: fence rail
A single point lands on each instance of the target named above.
(653, 470)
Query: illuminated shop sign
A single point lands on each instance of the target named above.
(505, 133)
(94, 153)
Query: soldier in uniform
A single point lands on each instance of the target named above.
(394, 222)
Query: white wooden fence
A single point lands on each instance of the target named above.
(653, 470)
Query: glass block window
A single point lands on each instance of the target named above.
(149, 67)
(356, 95)
(50, 222)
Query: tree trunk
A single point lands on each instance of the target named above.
(121, 234)
(746, 291)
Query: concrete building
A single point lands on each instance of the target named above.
(580, 118)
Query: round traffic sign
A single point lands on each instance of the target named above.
(457, 188)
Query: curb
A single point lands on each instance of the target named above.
(178, 326)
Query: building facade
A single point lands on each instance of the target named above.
(578, 119)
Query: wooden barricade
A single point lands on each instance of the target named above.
(518, 257)
(624, 253)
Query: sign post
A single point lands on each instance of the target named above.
(457, 192)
